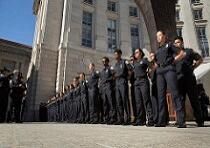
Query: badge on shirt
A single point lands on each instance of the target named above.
(121, 66)
(141, 62)
(167, 45)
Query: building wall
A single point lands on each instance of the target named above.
(189, 24)
(14, 56)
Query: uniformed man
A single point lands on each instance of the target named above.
(84, 98)
(77, 114)
(17, 93)
(4, 93)
(93, 93)
(154, 94)
(187, 79)
(142, 89)
(166, 55)
(105, 86)
(132, 80)
(70, 102)
(121, 88)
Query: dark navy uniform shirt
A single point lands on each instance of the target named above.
(185, 66)
(140, 68)
(165, 54)
(121, 71)
(93, 80)
(106, 76)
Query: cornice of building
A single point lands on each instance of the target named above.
(36, 6)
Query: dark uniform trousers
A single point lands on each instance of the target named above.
(122, 101)
(169, 77)
(109, 112)
(187, 85)
(142, 98)
(84, 108)
(93, 104)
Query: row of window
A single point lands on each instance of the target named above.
(197, 14)
(202, 38)
(112, 30)
(113, 6)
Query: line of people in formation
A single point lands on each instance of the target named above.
(12, 92)
(103, 97)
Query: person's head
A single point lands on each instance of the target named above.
(152, 56)
(71, 87)
(161, 37)
(179, 42)
(105, 61)
(82, 76)
(91, 67)
(117, 54)
(139, 54)
(76, 81)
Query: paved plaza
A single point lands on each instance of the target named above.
(50, 135)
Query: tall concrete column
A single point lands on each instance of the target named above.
(158, 15)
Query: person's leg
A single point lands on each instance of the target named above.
(119, 104)
(192, 93)
(171, 79)
(126, 104)
(154, 99)
(145, 91)
(112, 107)
(140, 120)
(161, 87)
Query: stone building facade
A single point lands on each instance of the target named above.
(14, 56)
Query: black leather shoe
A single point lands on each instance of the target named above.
(200, 124)
(182, 126)
(150, 124)
(160, 125)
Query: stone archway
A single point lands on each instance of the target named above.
(158, 15)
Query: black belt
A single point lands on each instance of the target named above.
(140, 78)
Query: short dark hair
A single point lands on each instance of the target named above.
(118, 51)
(179, 38)
(106, 59)
(163, 32)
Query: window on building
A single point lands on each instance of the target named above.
(198, 15)
(204, 45)
(135, 36)
(112, 6)
(88, 1)
(179, 31)
(177, 15)
(133, 11)
(87, 29)
(112, 35)
(195, 1)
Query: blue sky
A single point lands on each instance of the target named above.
(17, 21)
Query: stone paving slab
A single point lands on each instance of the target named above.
(54, 135)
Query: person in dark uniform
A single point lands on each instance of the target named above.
(142, 90)
(17, 93)
(204, 101)
(121, 88)
(84, 98)
(106, 83)
(78, 118)
(93, 93)
(4, 94)
(132, 91)
(166, 55)
(187, 80)
(70, 105)
(154, 93)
